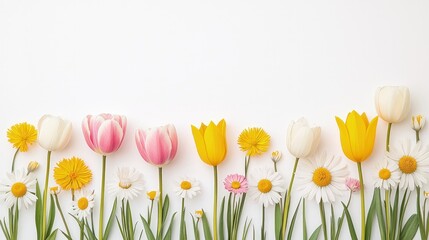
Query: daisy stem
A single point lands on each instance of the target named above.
(362, 200)
(14, 157)
(387, 210)
(182, 221)
(322, 216)
(159, 227)
(263, 223)
(304, 221)
(45, 195)
(287, 201)
(417, 135)
(82, 233)
(246, 165)
(215, 203)
(389, 127)
(149, 218)
(275, 166)
(103, 182)
(61, 213)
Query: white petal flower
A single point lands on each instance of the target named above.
(187, 188)
(128, 183)
(83, 204)
(266, 186)
(413, 163)
(19, 188)
(388, 175)
(321, 178)
(392, 103)
(302, 140)
(417, 122)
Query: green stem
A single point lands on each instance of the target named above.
(149, 218)
(103, 182)
(61, 213)
(287, 201)
(82, 233)
(387, 210)
(389, 128)
(322, 215)
(417, 135)
(182, 220)
(16, 220)
(304, 221)
(14, 157)
(215, 203)
(160, 217)
(362, 200)
(263, 223)
(341, 220)
(45, 195)
(420, 216)
(275, 166)
(246, 165)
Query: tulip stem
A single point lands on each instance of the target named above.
(14, 157)
(287, 200)
(362, 200)
(215, 203)
(45, 195)
(160, 217)
(103, 182)
(389, 128)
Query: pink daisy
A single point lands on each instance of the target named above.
(236, 183)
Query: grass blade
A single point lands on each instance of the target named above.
(350, 223)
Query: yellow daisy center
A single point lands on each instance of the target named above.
(322, 177)
(124, 185)
(151, 195)
(185, 185)
(18, 189)
(384, 173)
(82, 203)
(264, 185)
(235, 185)
(407, 164)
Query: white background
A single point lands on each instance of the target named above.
(254, 63)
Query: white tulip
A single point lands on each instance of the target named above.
(54, 132)
(417, 122)
(302, 140)
(392, 103)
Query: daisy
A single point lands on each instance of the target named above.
(236, 183)
(254, 141)
(266, 187)
(83, 204)
(187, 188)
(413, 164)
(72, 174)
(388, 175)
(19, 188)
(128, 183)
(322, 178)
(21, 135)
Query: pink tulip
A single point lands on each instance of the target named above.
(104, 133)
(157, 146)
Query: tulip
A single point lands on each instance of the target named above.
(211, 146)
(104, 134)
(357, 137)
(302, 141)
(158, 146)
(54, 134)
(392, 103)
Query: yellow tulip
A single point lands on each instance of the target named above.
(211, 142)
(357, 136)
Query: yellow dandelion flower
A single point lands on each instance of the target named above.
(254, 141)
(21, 135)
(72, 174)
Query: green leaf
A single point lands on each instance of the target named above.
(277, 221)
(350, 223)
(221, 220)
(147, 230)
(51, 216)
(229, 216)
(379, 213)
(315, 234)
(53, 235)
(246, 228)
(66, 235)
(38, 211)
(196, 230)
(410, 228)
(292, 222)
(304, 223)
(170, 227)
(206, 227)
(394, 215)
(110, 221)
(404, 205)
(165, 207)
(332, 222)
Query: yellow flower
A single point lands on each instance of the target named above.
(357, 136)
(254, 141)
(72, 174)
(211, 142)
(21, 135)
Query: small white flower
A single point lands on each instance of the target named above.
(322, 178)
(187, 188)
(128, 183)
(266, 186)
(388, 175)
(19, 188)
(83, 204)
(417, 122)
(413, 163)
(276, 156)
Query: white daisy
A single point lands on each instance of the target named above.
(187, 188)
(321, 178)
(388, 175)
(266, 186)
(83, 204)
(128, 183)
(413, 163)
(19, 188)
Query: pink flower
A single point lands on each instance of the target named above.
(157, 146)
(104, 133)
(353, 184)
(236, 183)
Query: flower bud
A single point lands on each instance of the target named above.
(417, 122)
(32, 166)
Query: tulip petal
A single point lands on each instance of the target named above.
(110, 136)
(370, 137)
(141, 144)
(200, 144)
(158, 146)
(215, 144)
(357, 131)
(300, 147)
(345, 139)
(173, 138)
